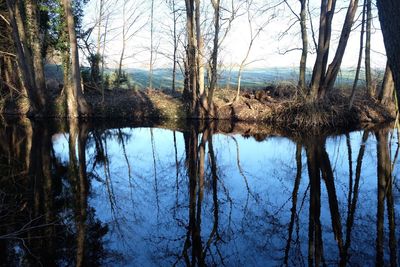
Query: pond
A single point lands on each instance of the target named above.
(121, 194)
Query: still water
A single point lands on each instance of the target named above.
(145, 196)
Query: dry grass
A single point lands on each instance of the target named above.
(301, 114)
(283, 107)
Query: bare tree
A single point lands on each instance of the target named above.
(76, 103)
(106, 9)
(175, 17)
(30, 65)
(191, 55)
(175, 47)
(214, 57)
(131, 25)
(324, 39)
(102, 56)
(254, 34)
(304, 38)
(390, 24)
(334, 67)
(199, 51)
(151, 44)
(323, 82)
(99, 25)
(32, 14)
(387, 90)
(358, 69)
(368, 75)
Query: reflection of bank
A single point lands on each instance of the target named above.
(45, 219)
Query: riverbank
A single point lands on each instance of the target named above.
(274, 106)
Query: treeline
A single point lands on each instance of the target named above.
(32, 28)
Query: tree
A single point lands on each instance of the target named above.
(253, 37)
(28, 52)
(175, 37)
(302, 19)
(254, 34)
(33, 24)
(325, 32)
(76, 102)
(368, 75)
(390, 23)
(130, 16)
(360, 53)
(196, 90)
(191, 56)
(323, 81)
(214, 58)
(386, 93)
(304, 38)
(151, 45)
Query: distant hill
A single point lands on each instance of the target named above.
(251, 78)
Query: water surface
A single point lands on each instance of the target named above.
(148, 196)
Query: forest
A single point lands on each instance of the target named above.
(35, 33)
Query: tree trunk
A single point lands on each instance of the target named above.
(214, 57)
(102, 57)
(99, 26)
(386, 93)
(23, 55)
(304, 38)
(77, 105)
(353, 91)
(202, 101)
(32, 13)
(200, 50)
(191, 54)
(325, 31)
(119, 74)
(334, 67)
(368, 76)
(390, 24)
(175, 47)
(151, 45)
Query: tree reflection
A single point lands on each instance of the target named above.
(195, 249)
(315, 245)
(385, 191)
(319, 166)
(41, 196)
(353, 197)
(293, 215)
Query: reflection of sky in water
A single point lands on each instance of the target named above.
(147, 210)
